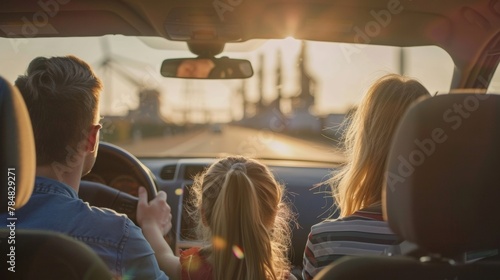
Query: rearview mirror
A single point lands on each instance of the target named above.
(207, 68)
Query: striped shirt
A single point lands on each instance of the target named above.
(362, 233)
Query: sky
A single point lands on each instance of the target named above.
(342, 72)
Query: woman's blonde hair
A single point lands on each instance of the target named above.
(243, 216)
(367, 141)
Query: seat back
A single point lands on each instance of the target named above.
(30, 254)
(443, 174)
(17, 148)
(406, 268)
(48, 255)
(442, 192)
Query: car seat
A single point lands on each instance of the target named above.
(32, 254)
(442, 193)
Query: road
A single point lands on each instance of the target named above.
(235, 140)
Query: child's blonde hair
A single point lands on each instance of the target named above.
(242, 214)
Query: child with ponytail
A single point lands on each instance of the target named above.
(242, 218)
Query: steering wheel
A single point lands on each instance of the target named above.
(100, 195)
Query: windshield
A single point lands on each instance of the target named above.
(292, 108)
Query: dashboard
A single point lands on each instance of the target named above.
(122, 182)
(118, 169)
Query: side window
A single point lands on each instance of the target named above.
(431, 65)
(494, 86)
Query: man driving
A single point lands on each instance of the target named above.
(62, 97)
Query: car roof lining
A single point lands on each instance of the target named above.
(434, 23)
(135, 14)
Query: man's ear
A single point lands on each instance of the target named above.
(93, 138)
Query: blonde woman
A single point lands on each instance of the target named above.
(357, 186)
(243, 219)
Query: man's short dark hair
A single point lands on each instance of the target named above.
(62, 97)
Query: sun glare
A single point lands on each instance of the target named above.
(238, 252)
(290, 42)
(178, 191)
(290, 39)
(219, 243)
(279, 147)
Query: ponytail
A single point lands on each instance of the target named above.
(237, 220)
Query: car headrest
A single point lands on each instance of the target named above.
(18, 159)
(443, 176)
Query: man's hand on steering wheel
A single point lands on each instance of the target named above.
(155, 213)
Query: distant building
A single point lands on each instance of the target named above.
(144, 122)
(260, 115)
(301, 119)
(270, 116)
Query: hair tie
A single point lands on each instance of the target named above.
(239, 166)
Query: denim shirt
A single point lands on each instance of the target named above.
(114, 237)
